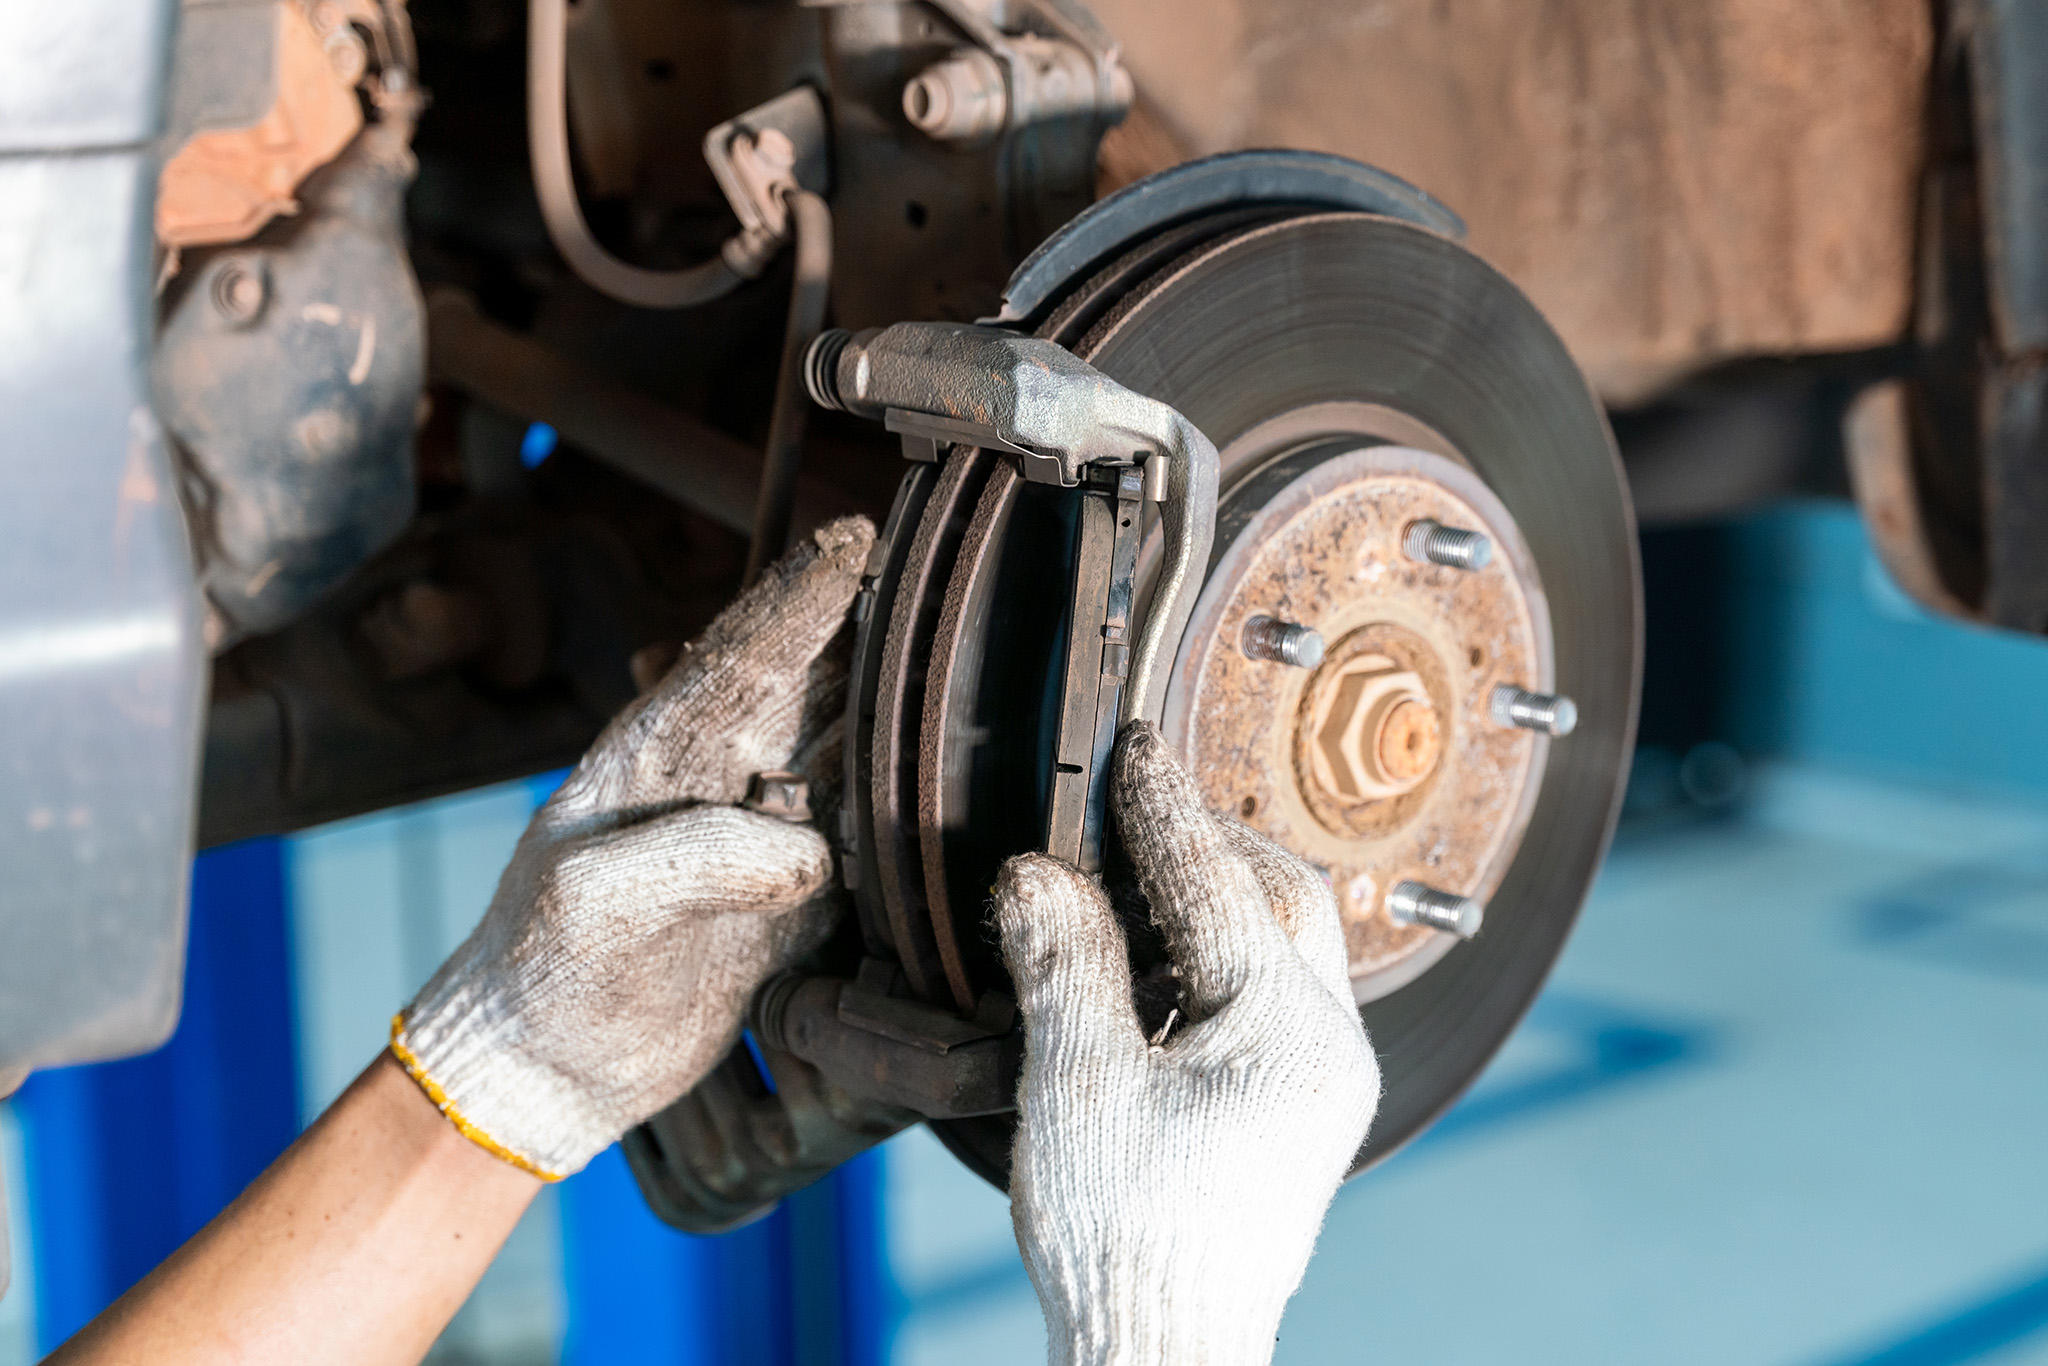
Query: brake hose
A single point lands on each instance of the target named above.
(811, 221)
(547, 136)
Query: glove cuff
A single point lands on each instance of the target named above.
(518, 1112)
(1169, 1330)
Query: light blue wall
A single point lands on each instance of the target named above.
(1832, 664)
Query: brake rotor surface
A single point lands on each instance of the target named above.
(1355, 372)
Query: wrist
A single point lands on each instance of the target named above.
(411, 1127)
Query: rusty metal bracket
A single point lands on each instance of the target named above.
(1068, 22)
(955, 383)
(891, 1049)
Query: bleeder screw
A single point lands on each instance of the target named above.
(1417, 903)
(1283, 642)
(1545, 711)
(1447, 545)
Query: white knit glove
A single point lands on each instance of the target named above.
(641, 908)
(1167, 1197)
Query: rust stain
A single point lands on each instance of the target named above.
(1256, 726)
(223, 185)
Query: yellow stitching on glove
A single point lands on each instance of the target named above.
(447, 1107)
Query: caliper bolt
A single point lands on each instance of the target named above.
(1447, 545)
(1544, 711)
(1283, 642)
(785, 796)
(1417, 903)
(239, 290)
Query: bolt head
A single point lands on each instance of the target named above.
(1376, 734)
(239, 291)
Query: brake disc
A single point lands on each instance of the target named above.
(1358, 374)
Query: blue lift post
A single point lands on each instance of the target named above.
(128, 1159)
(805, 1286)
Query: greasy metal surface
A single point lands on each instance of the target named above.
(1322, 546)
(295, 418)
(1109, 656)
(811, 226)
(936, 225)
(969, 745)
(1031, 397)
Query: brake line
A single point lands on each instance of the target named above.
(547, 135)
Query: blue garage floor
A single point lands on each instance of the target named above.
(1783, 1103)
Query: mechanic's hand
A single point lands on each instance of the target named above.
(642, 908)
(1167, 1196)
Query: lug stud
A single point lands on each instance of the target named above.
(1283, 642)
(1544, 711)
(1446, 545)
(1416, 903)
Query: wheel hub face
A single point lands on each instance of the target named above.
(1383, 763)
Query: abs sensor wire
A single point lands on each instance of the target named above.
(547, 136)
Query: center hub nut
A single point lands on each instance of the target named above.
(1376, 734)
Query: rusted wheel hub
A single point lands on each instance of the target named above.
(1383, 763)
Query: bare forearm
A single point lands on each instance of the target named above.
(356, 1247)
